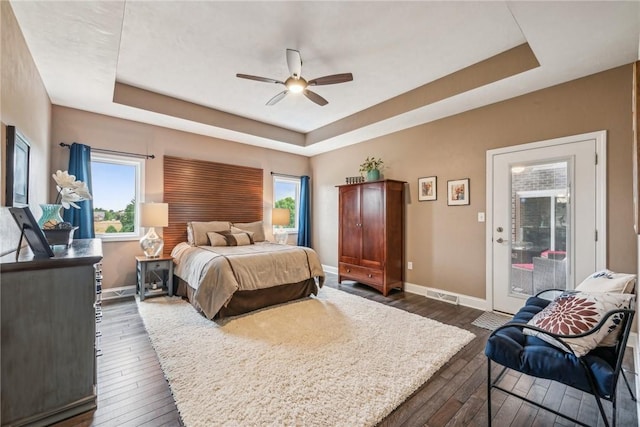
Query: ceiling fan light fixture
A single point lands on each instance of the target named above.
(295, 85)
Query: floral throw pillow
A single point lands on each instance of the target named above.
(574, 313)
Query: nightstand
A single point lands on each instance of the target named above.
(150, 271)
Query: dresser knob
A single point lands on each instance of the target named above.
(348, 270)
(370, 276)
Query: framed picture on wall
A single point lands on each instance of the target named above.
(427, 188)
(458, 192)
(17, 191)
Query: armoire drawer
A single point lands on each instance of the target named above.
(358, 273)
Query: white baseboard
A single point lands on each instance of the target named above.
(432, 293)
(330, 269)
(428, 292)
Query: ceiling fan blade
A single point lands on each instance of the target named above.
(332, 79)
(315, 97)
(277, 98)
(260, 79)
(294, 62)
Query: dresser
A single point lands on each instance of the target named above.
(48, 347)
(371, 234)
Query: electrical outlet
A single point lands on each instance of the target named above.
(480, 216)
(410, 265)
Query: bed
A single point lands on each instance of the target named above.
(228, 273)
(221, 280)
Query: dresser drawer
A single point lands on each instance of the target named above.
(358, 273)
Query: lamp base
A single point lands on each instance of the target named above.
(280, 236)
(151, 244)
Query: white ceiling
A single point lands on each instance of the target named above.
(192, 51)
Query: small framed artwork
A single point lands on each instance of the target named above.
(17, 191)
(29, 229)
(458, 192)
(427, 188)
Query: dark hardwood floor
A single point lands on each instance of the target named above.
(132, 390)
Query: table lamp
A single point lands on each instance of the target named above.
(280, 217)
(153, 215)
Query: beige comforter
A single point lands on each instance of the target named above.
(216, 273)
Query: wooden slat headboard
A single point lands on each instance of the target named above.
(198, 190)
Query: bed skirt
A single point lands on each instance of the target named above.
(246, 301)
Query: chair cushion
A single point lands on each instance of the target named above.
(532, 356)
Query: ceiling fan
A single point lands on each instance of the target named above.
(295, 83)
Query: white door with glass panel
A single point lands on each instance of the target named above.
(546, 225)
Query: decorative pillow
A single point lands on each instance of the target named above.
(200, 230)
(216, 239)
(608, 281)
(240, 230)
(256, 228)
(238, 239)
(574, 313)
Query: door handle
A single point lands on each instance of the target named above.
(500, 240)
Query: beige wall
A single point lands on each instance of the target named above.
(447, 244)
(24, 103)
(99, 131)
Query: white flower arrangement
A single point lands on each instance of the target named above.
(70, 190)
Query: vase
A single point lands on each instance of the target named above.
(373, 175)
(60, 236)
(50, 216)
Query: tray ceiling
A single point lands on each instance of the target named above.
(174, 63)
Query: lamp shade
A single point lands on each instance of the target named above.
(154, 214)
(280, 216)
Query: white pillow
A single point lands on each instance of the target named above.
(216, 239)
(608, 281)
(574, 313)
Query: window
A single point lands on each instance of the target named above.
(286, 194)
(116, 189)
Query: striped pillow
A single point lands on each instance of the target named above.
(239, 239)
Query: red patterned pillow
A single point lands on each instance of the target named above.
(574, 313)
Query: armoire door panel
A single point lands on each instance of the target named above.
(350, 226)
(373, 222)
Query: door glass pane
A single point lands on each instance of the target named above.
(539, 224)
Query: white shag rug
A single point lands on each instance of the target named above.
(334, 360)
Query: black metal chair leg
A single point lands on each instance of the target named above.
(489, 392)
(602, 413)
(615, 411)
(633, 397)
